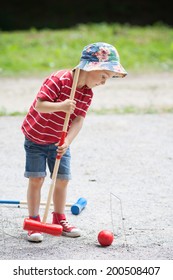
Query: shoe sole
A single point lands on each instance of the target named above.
(71, 234)
(35, 239)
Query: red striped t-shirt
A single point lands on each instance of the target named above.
(46, 128)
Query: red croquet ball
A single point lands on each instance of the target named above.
(105, 237)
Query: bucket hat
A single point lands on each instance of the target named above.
(101, 56)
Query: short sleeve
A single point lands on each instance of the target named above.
(50, 89)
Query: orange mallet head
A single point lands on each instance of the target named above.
(52, 229)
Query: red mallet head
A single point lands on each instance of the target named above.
(52, 229)
(105, 237)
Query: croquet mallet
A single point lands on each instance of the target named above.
(42, 226)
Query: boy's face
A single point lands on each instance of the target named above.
(97, 77)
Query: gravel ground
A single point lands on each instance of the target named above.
(127, 156)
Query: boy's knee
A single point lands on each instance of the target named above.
(37, 182)
(62, 182)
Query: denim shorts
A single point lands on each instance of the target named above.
(38, 157)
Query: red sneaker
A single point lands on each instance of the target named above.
(68, 230)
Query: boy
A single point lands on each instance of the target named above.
(43, 124)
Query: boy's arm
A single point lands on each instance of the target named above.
(74, 129)
(67, 106)
(72, 133)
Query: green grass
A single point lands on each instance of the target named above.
(36, 52)
(11, 114)
(131, 110)
(107, 111)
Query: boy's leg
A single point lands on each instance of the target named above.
(63, 177)
(59, 195)
(60, 192)
(35, 170)
(33, 200)
(59, 199)
(34, 195)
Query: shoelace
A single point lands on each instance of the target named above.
(66, 225)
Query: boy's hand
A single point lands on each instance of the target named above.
(68, 106)
(62, 149)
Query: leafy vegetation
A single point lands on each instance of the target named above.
(36, 52)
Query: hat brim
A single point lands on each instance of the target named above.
(108, 66)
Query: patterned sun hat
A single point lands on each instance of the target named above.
(101, 56)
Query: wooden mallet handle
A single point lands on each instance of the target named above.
(57, 161)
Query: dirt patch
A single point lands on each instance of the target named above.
(140, 91)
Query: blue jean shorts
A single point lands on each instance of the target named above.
(39, 157)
